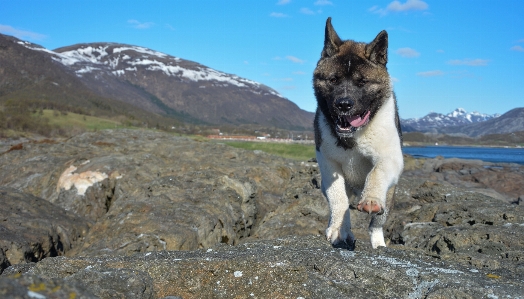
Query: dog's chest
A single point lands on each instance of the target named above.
(354, 163)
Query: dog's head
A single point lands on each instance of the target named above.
(351, 81)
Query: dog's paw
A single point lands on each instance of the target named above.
(370, 206)
(340, 239)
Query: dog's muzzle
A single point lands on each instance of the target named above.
(347, 124)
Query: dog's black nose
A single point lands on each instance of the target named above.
(344, 104)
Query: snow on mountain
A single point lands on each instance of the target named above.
(116, 58)
(168, 85)
(434, 121)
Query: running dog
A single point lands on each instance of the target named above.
(357, 133)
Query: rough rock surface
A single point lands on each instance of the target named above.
(143, 214)
(166, 192)
(498, 180)
(291, 267)
(32, 228)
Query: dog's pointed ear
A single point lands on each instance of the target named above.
(331, 40)
(377, 50)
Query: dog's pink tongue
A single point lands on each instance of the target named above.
(357, 121)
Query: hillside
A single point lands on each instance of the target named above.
(32, 80)
(118, 78)
(161, 83)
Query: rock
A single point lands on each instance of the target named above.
(32, 228)
(169, 217)
(459, 225)
(32, 286)
(291, 267)
(498, 180)
(149, 191)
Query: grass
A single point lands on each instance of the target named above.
(301, 152)
(89, 123)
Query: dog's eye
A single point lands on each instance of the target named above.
(333, 80)
(362, 82)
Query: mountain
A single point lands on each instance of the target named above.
(509, 122)
(149, 80)
(435, 122)
(472, 124)
(31, 77)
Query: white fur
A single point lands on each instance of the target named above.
(370, 168)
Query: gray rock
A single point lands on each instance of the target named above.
(151, 191)
(498, 180)
(161, 214)
(32, 228)
(459, 225)
(33, 286)
(290, 267)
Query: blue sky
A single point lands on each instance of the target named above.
(442, 54)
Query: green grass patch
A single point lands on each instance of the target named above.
(301, 152)
(89, 123)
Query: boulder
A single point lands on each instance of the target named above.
(32, 228)
(290, 267)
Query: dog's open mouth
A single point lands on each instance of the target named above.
(350, 123)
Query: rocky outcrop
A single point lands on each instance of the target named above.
(142, 214)
(291, 267)
(148, 191)
(32, 228)
(498, 180)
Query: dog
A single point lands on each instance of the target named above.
(358, 138)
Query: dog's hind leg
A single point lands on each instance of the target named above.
(378, 220)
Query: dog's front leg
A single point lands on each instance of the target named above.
(334, 189)
(377, 197)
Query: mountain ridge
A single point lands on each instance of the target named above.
(471, 124)
(434, 121)
(175, 85)
(165, 85)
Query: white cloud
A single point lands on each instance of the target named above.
(289, 87)
(323, 2)
(431, 73)
(284, 79)
(307, 11)
(299, 73)
(470, 62)
(21, 34)
(408, 5)
(168, 26)
(407, 52)
(139, 25)
(278, 15)
(517, 48)
(397, 6)
(294, 59)
(440, 51)
(283, 2)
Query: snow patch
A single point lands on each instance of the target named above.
(140, 50)
(86, 69)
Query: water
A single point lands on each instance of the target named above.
(489, 154)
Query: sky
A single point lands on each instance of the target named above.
(442, 54)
